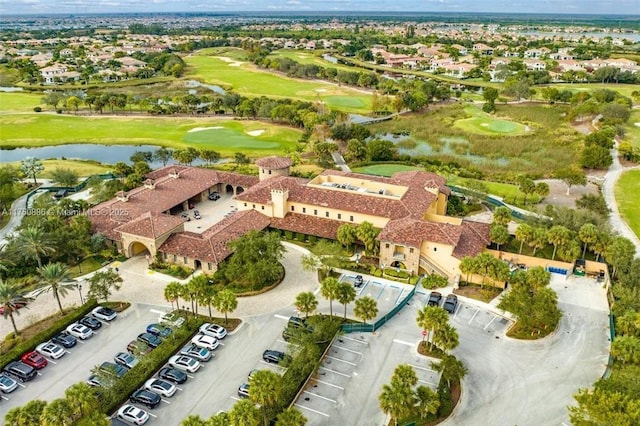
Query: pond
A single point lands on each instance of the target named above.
(194, 83)
(107, 154)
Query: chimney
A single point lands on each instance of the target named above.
(150, 183)
(122, 196)
(174, 173)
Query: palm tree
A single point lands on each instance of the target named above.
(56, 279)
(195, 287)
(405, 374)
(220, 419)
(502, 216)
(346, 234)
(558, 235)
(266, 390)
(346, 295)
(225, 301)
(83, 400)
(524, 233)
(446, 338)
(172, 293)
(291, 417)
(329, 288)
(397, 400)
(366, 308)
(57, 412)
(451, 369)
(468, 265)
(433, 319)
(32, 243)
(427, 401)
(499, 234)
(193, 420)
(588, 234)
(206, 296)
(244, 413)
(306, 302)
(538, 239)
(10, 299)
(28, 414)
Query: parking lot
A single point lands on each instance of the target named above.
(211, 212)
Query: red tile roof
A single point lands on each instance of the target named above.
(474, 238)
(412, 232)
(151, 226)
(274, 162)
(212, 244)
(309, 225)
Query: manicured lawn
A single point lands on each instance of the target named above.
(623, 89)
(628, 198)
(23, 130)
(510, 193)
(226, 70)
(385, 169)
(83, 168)
(633, 128)
(19, 102)
(309, 58)
(482, 123)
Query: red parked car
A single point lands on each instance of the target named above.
(34, 359)
(16, 304)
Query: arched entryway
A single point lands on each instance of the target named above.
(398, 264)
(137, 248)
(197, 264)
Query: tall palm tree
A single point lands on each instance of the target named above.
(427, 401)
(366, 308)
(446, 338)
(329, 290)
(55, 277)
(244, 413)
(538, 239)
(397, 400)
(291, 417)
(206, 296)
(524, 233)
(346, 295)
(451, 369)
(266, 390)
(405, 374)
(558, 235)
(306, 302)
(10, 299)
(196, 286)
(433, 319)
(225, 301)
(57, 412)
(194, 420)
(32, 242)
(172, 293)
(588, 234)
(83, 400)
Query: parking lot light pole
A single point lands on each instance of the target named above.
(80, 293)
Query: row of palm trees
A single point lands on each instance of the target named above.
(331, 289)
(199, 292)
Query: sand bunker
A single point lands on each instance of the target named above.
(484, 124)
(231, 62)
(321, 90)
(255, 132)
(199, 129)
(637, 124)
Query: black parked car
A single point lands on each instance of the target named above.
(214, 196)
(20, 371)
(90, 322)
(145, 397)
(358, 281)
(434, 299)
(173, 375)
(273, 357)
(116, 370)
(150, 339)
(65, 340)
(451, 303)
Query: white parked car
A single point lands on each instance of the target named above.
(50, 350)
(133, 414)
(204, 341)
(215, 330)
(184, 363)
(79, 331)
(7, 384)
(161, 387)
(171, 319)
(104, 314)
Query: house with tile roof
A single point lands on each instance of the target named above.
(409, 208)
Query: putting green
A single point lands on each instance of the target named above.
(219, 138)
(385, 169)
(482, 123)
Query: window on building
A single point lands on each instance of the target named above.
(245, 204)
(315, 212)
(269, 171)
(386, 245)
(304, 210)
(184, 260)
(435, 249)
(209, 266)
(326, 214)
(262, 207)
(254, 206)
(339, 216)
(351, 218)
(175, 257)
(293, 209)
(165, 256)
(411, 250)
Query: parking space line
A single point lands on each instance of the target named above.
(51, 361)
(164, 400)
(393, 286)
(402, 342)
(321, 397)
(39, 373)
(280, 316)
(354, 340)
(180, 389)
(492, 320)
(4, 397)
(429, 383)
(312, 410)
(21, 385)
(152, 415)
(67, 351)
(235, 398)
(341, 360)
(333, 371)
(474, 315)
(329, 384)
(345, 349)
(399, 296)
(282, 341)
(190, 376)
(381, 291)
(420, 368)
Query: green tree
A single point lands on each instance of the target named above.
(542, 190)
(330, 289)
(346, 234)
(432, 319)
(10, 299)
(595, 157)
(427, 401)
(499, 234)
(626, 349)
(502, 216)
(538, 239)
(225, 301)
(172, 292)
(27, 415)
(220, 419)
(244, 413)
(209, 156)
(57, 412)
(196, 286)
(103, 282)
(526, 186)
(368, 235)
(163, 155)
(468, 266)
(306, 302)
(194, 420)
(30, 167)
(64, 176)
(588, 234)
(346, 295)
(572, 176)
(620, 253)
(33, 242)
(446, 338)
(396, 400)
(451, 369)
(604, 407)
(291, 417)
(366, 308)
(524, 233)
(405, 374)
(82, 399)
(266, 390)
(256, 259)
(206, 296)
(558, 236)
(55, 277)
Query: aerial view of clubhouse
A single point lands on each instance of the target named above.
(409, 208)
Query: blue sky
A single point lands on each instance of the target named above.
(505, 6)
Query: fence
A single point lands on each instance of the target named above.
(612, 334)
(357, 328)
(495, 202)
(77, 188)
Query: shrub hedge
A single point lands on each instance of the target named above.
(30, 344)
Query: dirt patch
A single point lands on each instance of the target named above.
(583, 127)
(558, 193)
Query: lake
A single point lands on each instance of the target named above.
(108, 154)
